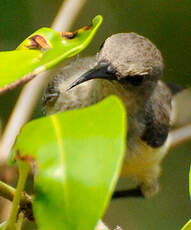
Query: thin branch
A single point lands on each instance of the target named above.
(30, 94)
(20, 221)
(67, 14)
(180, 135)
(8, 193)
(23, 173)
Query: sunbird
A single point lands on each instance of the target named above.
(129, 66)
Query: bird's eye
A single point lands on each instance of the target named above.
(136, 80)
(110, 69)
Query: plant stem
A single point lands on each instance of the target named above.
(8, 193)
(23, 173)
(20, 221)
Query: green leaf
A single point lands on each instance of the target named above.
(15, 64)
(42, 51)
(187, 226)
(78, 155)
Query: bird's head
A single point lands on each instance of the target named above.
(128, 58)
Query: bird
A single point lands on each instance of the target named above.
(130, 66)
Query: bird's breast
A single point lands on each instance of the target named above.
(141, 160)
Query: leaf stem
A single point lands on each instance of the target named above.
(23, 173)
(20, 221)
(8, 193)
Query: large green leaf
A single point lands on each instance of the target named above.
(41, 51)
(78, 155)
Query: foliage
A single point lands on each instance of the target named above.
(140, 25)
(41, 51)
(77, 162)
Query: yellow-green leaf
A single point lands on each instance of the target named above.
(41, 51)
(77, 155)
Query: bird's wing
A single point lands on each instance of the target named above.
(158, 116)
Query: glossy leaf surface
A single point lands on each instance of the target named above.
(78, 155)
(41, 51)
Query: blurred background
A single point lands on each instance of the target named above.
(167, 24)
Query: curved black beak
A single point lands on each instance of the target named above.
(103, 70)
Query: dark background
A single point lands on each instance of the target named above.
(167, 24)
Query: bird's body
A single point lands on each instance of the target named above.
(147, 99)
